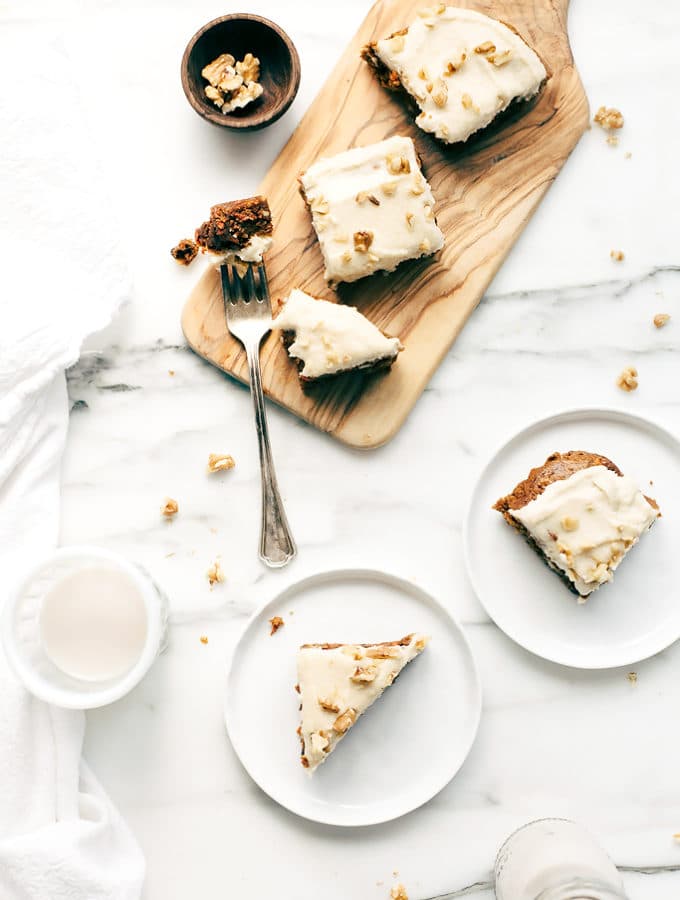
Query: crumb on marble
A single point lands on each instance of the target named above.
(617, 255)
(204, 638)
(612, 140)
(215, 573)
(170, 508)
(608, 118)
(632, 677)
(276, 622)
(185, 252)
(660, 319)
(398, 892)
(627, 154)
(220, 462)
(171, 372)
(627, 380)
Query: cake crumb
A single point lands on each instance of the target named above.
(398, 892)
(170, 508)
(617, 255)
(185, 252)
(627, 380)
(632, 677)
(660, 319)
(276, 622)
(220, 462)
(204, 638)
(171, 372)
(608, 118)
(612, 140)
(215, 573)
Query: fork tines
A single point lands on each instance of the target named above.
(243, 287)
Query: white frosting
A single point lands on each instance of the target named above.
(585, 524)
(331, 676)
(379, 190)
(455, 104)
(253, 251)
(331, 338)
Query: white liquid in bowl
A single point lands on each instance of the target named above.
(93, 623)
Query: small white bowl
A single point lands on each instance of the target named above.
(20, 630)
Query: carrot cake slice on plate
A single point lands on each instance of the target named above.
(461, 68)
(581, 514)
(339, 682)
(329, 339)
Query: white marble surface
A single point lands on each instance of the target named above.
(557, 326)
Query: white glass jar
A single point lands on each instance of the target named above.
(555, 859)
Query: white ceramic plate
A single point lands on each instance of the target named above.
(404, 749)
(631, 618)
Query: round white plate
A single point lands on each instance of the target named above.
(631, 618)
(404, 749)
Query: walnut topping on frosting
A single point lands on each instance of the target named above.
(486, 47)
(328, 705)
(466, 100)
(440, 93)
(500, 59)
(345, 721)
(454, 66)
(363, 196)
(364, 674)
(627, 380)
(362, 241)
(398, 165)
(569, 523)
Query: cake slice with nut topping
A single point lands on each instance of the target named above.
(581, 514)
(329, 338)
(461, 68)
(337, 684)
(372, 208)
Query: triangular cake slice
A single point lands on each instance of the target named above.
(338, 682)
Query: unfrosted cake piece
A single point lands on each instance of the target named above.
(461, 67)
(328, 338)
(237, 230)
(371, 209)
(338, 682)
(581, 514)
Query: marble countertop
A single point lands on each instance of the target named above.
(556, 327)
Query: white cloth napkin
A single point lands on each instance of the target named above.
(60, 836)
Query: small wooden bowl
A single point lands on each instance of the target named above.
(238, 34)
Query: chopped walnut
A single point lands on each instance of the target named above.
(328, 705)
(243, 96)
(500, 59)
(608, 117)
(215, 573)
(410, 220)
(320, 741)
(421, 643)
(660, 319)
(233, 85)
(466, 100)
(486, 47)
(398, 892)
(440, 93)
(185, 252)
(627, 380)
(398, 165)
(569, 523)
(345, 721)
(364, 674)
(417, 188)
(220, 462)
(249, 68)
(617, 255)
(170, 508)
(453, 67)
(363, 196)
(276, 622)
(215, 70)
(362, 241)
(424, 246)
(382, 652)
(389, 188)
(397, 43)
(204, 638)
(320, 205)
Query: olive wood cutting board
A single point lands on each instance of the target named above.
(486, 190)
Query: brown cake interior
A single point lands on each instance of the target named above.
(232, 225)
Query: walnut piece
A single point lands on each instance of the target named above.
(440, 93)
(385, 652)
(220, 462)
(233, 85)
(276, 622)
(453, 67)
(608, 117)
(185, 252)
(320, 741)
(215, 573)
(467, 102)
(632, 677)
(328, 705)
(660, 319)
(170, 508)
(345, 721)
(364, 674)
(214, 71)
(486, 47)
(569, 523)
(500, 59)
(398, 892)
(627, 380)
(398, 165)
(249, 68)
(617, 255)
(204, 638)
(363, 196)
(362, 241)
(397, 43)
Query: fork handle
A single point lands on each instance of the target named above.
(277, 546)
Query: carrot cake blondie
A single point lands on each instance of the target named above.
(371, 209)
(461, 68)
(328, 338)
(337, 684)
(239, 229)
(581, 514)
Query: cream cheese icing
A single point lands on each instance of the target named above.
(585, 524)
(253, 251)
(338, 684)
(372, 208)
(331, 338)
(463, 69)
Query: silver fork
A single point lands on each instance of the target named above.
(249, 318)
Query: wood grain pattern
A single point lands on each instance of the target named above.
(486, 191)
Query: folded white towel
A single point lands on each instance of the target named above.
(60, 837)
